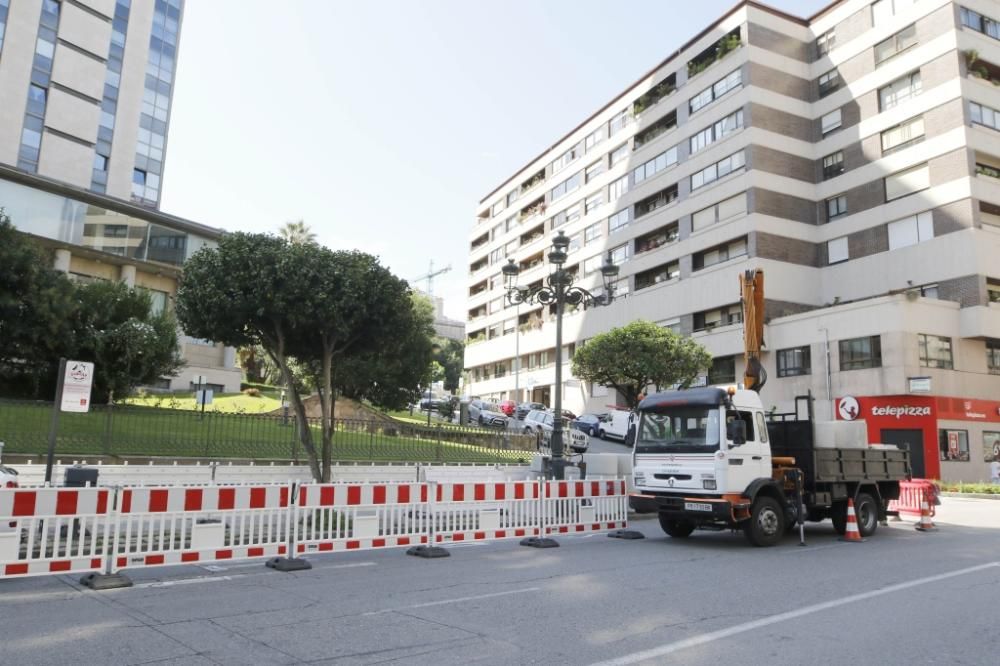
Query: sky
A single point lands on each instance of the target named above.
(383, 123)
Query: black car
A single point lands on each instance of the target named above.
(588, 423)
(525, 407)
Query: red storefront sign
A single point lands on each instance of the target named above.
(916, 412)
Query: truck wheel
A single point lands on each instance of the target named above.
(838, 514)
(601, 434)
(866, 511)
(767, 522)
(678, 529)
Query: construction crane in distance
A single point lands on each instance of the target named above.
(429, 276)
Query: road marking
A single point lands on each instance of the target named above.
(454, 601)
(710, 637)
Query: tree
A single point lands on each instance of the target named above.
(36, 307)
(297, 232)
(299, 301)
(452, 357)
(632, 357)
(128, 344)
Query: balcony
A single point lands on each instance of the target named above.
(658, 200)
(657, 238)
(531, 236)
(664, 124)
(981, 69)
(533, 261)
(479, 242)
(979, 322)
(478, 288)
(477, 313)
(534, 180)
(657, 275)
(714, 53)
(479, 264)
(536, 207)
(663, 89)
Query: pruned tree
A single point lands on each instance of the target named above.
(637, 355)
(301, 302)
(297, 232)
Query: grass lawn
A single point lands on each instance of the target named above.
(139, 431)
(229, 403)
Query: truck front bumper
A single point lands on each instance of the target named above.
(726, 510)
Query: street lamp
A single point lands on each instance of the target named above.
(559, 291)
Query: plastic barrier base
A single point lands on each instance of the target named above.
(428, 552)
(540, 542)
(626, 534)
(287, 564)
(98, 582)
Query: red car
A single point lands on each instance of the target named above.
(508, 407)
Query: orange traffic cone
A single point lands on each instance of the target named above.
(925, 524)
(852, 535)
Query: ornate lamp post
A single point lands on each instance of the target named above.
(559, 291)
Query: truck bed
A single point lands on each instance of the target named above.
(794, 439)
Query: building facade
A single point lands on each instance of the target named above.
(86, 88)
(854, 156)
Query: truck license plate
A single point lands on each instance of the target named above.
(697, 506)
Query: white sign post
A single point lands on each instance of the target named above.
(74, 381)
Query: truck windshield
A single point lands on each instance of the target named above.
(681, 430)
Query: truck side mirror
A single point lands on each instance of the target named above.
(736, 432)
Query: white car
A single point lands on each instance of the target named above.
(616, 425)
(539, 423)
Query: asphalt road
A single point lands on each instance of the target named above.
(902, 597)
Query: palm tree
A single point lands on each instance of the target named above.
(297, 232)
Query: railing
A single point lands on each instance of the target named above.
(148, 431)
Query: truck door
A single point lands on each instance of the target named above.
(748, 461)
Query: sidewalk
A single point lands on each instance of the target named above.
(969, 512)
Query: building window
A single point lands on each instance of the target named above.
(970, 19)
(512, 197)
(592, 233)
(836, 206)
(907, 182)
(647, 170)
(903, 135)
(993, 356)
(720, 212)
(723, 370)
(826, 42)
(571, 184)
(859, 353)
(724, 316)
(618, 154)
(565, 159)
(836, 250)
(911, 230)
(593, 202)
(718, 170)
(896, 44)
(793, 362)
(618, 122)
(619, 220)
(953, 444)
(729, 82)
(991, 445)
(833, 165)
(984, 115)
(594, 170)
(593, 139)
(829, 81)
(660, 199)
(831, 121)
(992, 291)
(593, 264)
(617, 188)
(899, 91)
(619, 255)
(723, 128)
(935, 351)
(497, 208)
(719, 254)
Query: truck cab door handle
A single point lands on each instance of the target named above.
(758, 457)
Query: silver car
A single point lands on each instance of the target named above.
(539, 422)
(486, 414)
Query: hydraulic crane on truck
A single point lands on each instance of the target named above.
(752, 301)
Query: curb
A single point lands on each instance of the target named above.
(985, 496)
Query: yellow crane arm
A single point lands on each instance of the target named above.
(752, 300)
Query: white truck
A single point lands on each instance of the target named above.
(710, 458)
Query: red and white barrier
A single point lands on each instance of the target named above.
(360, 516)
(486, 511)
(572, 507)
(178, 525)
(911, 494)
(53, 530)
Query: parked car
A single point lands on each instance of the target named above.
(568, 415)
(8, 477)
(486, 414)
(508, 407)
(539, 422)
(432, 402)
(616, 425)
(525, 407)
(588, 423)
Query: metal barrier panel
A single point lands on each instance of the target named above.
(570, 507)
(360, 516)
(178, 525)
(486, 511)
(53, 530)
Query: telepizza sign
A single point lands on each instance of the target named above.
(850, 408)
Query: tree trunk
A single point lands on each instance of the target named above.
(305, 432)
(327, 405)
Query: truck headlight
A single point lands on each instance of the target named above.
(639, 478)
(708, 484)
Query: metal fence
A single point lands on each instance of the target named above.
(148, 431)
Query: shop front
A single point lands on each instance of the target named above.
(949, 438)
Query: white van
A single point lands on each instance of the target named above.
(615, 425)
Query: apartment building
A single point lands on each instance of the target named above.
(85, 94)
(854, 156)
